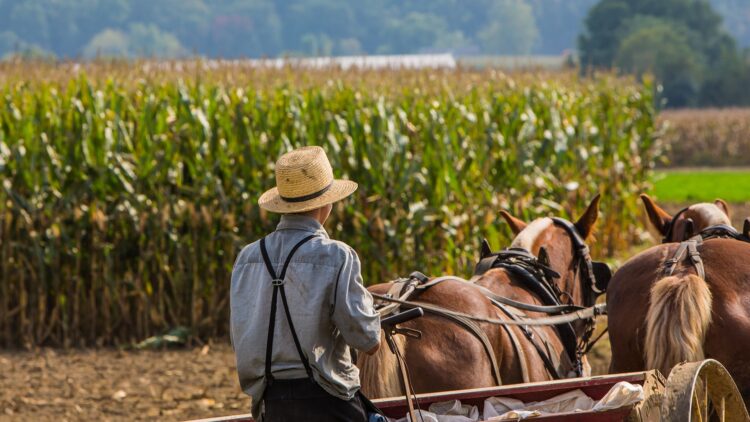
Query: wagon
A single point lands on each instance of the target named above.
(694, 391)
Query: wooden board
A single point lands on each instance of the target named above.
(594, 387)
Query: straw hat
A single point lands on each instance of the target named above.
(304, 182)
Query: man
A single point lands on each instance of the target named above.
(295, 361)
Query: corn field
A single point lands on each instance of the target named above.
(707, 137)
(129, 188)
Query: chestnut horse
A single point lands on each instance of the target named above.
(657, 320)
(449, 357)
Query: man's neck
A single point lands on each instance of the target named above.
(316, 214)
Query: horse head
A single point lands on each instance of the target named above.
(689, 221)
(560, 245)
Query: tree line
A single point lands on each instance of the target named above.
(257, 28)
(694, 47)
(683, 43)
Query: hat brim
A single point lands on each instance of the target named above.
(272, 201)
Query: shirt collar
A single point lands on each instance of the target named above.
(301, 222)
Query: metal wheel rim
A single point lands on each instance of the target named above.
(700, 392)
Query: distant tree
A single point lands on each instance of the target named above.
(611, 20)
(9, 42)
(559, 22)
(348, 47)
(140, 41)
(682, 42)
(13, 46)
(736, 14)
(510, 28)
(317, 45)
(148, 40)
(663, 49)
(411, 33)
(322, 19)
(727, 83)
(455, 41)
(245, 28)
(188, 20)
(108, 43)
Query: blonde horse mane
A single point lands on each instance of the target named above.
(678, 316)
(379, 373)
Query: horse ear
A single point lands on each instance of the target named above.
(585, 224)
(722, 206)
(658, 217)
(486, 250)
(515, 224)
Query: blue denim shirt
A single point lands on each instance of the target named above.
(331, 311)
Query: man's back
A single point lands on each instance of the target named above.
(329, 306)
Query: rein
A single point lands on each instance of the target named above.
(582, 314)
(538, 278)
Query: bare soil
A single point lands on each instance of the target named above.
(112, 385)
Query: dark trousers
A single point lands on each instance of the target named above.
(304, 400)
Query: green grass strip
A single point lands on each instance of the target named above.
(698, 185)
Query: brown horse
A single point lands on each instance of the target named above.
(687, 222)
(658, 320)
(449, 357)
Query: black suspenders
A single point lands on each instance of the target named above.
(278, 285)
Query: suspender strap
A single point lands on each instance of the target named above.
(278, 286)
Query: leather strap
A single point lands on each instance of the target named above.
(689, 248)
(519, 351)
(405, 378)
(530, 337)
(278, 286)
(583, 314)
(555, 309)
(670, 226)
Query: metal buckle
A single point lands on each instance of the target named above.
(277, 282)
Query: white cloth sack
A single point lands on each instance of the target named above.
(422, 416)
(504, 408)
(621, 394)
(563, 403)
(446, 411)
(454, 411)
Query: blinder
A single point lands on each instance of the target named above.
(486, 249)
(584, 261)
(602, 274)
(543, 256)
(684, 229)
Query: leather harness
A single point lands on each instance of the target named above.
(537, 277)
(689, 248)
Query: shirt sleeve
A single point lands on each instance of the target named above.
(353, 311)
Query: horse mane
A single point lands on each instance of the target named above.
(527, 237)
(379, 372)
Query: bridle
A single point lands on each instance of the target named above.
(671, 224)
(711, 232)
(538, 277)
(595, 275)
